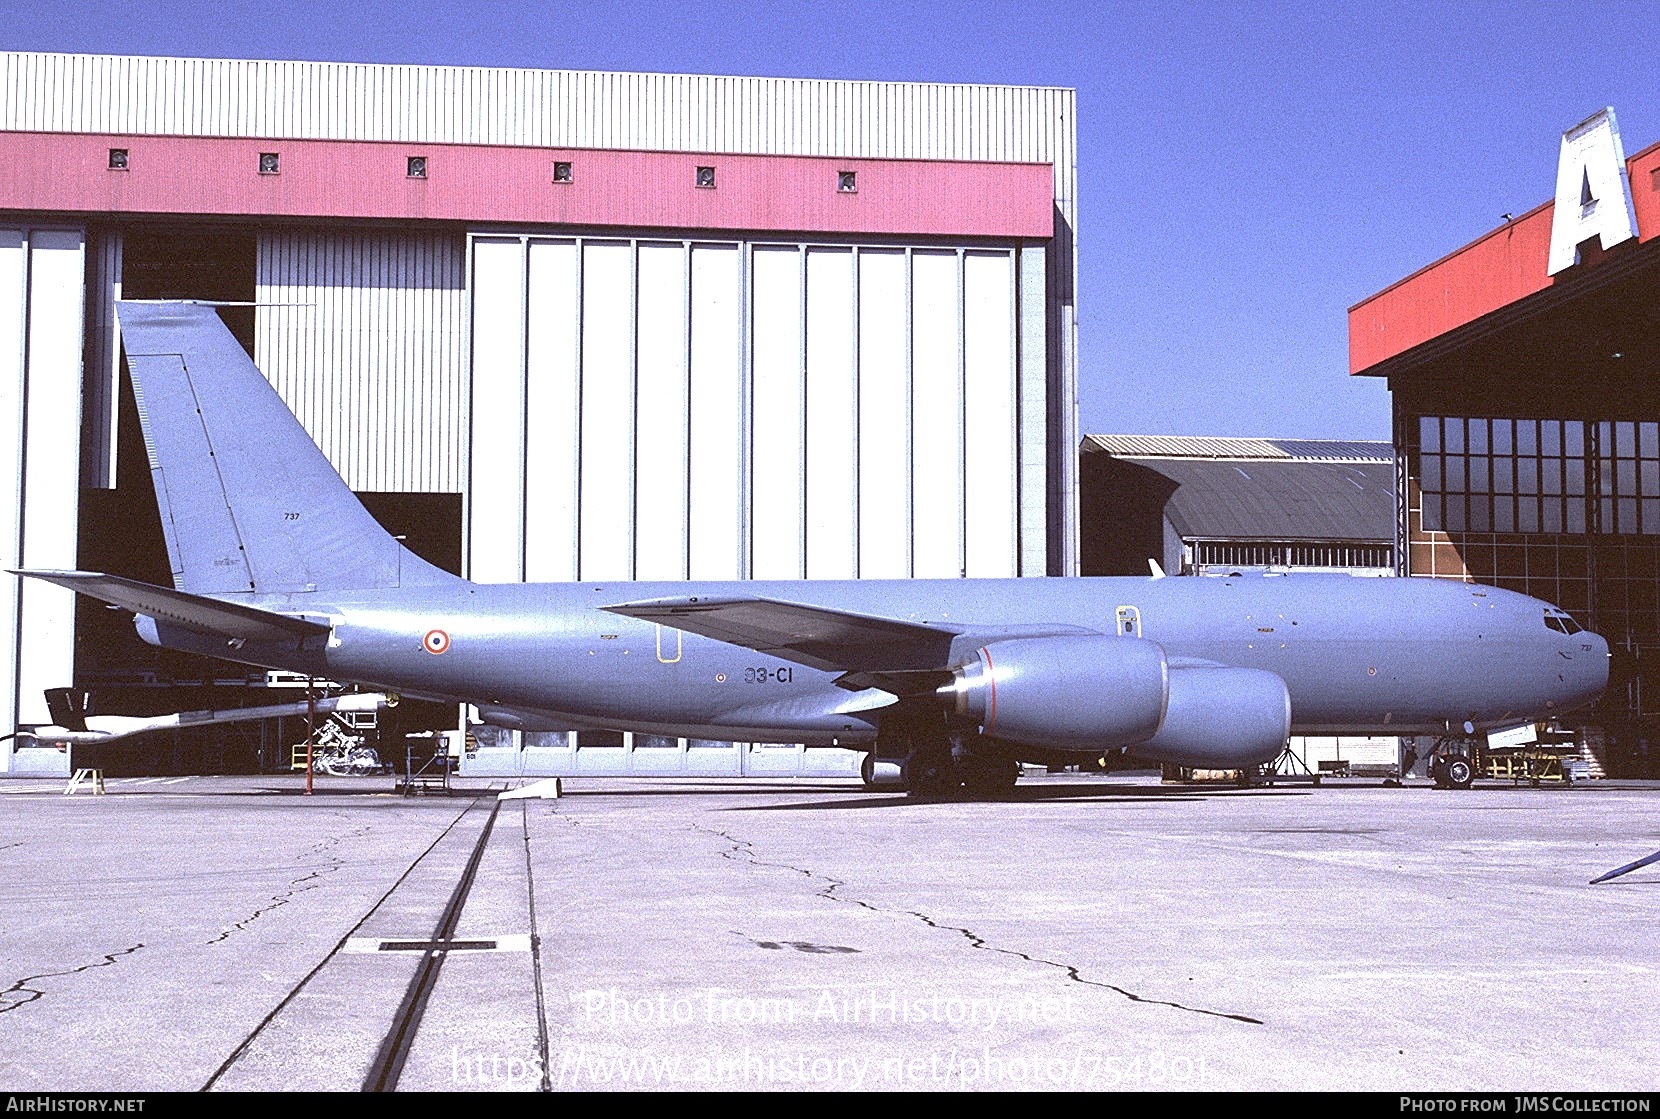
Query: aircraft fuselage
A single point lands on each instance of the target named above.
(1357, 655)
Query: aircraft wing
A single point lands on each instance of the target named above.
(815, 636)
(870, 651)
(226, 619)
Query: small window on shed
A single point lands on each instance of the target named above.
(118, 159)
(270, 163)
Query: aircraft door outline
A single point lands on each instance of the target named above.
(1129, 621)
(679, 650)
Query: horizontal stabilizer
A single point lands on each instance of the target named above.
(112, 728)
(811, 635)
(209, 615)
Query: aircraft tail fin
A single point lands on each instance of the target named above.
(249, 505)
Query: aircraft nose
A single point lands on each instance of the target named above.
(1593, 664)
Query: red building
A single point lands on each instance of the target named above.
(1522, 371)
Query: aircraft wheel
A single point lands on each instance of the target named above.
(990, 775)
(1460, 772)
(867, 770)
(931, 773)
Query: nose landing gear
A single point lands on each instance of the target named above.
(1451, 764)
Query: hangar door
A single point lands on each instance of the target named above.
(42, 285)
(659, 409)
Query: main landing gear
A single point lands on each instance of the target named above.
(941, 764)
(931, 772)
(988, 773)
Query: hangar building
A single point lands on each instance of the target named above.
(1524, 375)
(1202, 506)
(552, 325)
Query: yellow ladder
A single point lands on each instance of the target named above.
(91, 778)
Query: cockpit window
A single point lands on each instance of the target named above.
(1562, 623)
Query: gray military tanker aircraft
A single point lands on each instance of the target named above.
(276, 563)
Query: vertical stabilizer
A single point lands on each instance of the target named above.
(248, 503)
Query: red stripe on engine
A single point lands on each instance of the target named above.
(991, 690)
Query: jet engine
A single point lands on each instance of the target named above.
(1072, 693)
(1100, 693)
(1221, 718)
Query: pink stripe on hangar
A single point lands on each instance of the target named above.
(113, 174)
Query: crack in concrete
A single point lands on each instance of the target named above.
(1073, 974)
(747, 849)
(22, 985)
(297, 886)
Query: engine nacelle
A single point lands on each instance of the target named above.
(1221, 718)
(1090, 692)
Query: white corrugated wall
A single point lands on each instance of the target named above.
(43, 92)
(370, 350)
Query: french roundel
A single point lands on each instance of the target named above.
(436, 641)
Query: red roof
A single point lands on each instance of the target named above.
(1492, 272)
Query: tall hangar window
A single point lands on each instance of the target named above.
(1628, 477)
(1539, 476)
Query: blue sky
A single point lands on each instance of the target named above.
(1247, 170)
